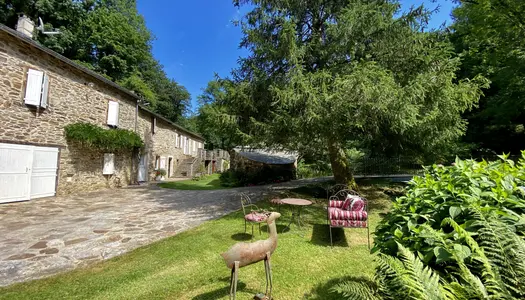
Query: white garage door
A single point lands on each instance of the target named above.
(27, 172)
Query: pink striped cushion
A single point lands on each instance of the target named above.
(255, 217)
(335, 203)
(341, 214)
(348, 223)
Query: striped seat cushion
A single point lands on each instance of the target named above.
(347, 223)
(341, 214)
(255, 217)
(335, 203)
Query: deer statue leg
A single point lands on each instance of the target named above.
(231, 282)
(268, 274)
(235, 276)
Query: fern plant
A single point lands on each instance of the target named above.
(405, 277)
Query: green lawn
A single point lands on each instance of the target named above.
(211, 182)
(188, 266)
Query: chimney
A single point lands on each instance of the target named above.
(25, 26)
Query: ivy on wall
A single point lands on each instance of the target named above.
(108, 140)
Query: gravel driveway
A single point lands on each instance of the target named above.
(46, 236)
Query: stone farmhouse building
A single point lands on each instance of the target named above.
(40, 93)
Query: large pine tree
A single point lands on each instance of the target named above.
(323, 74)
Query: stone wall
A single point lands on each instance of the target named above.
(74, 96)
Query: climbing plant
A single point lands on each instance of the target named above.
(89, 135)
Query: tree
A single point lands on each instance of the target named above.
(322, 74)
(109, 37)
(489, 36)
(216, 122)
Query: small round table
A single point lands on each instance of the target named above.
(296, 213)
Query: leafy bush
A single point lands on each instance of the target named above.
(160, 172)
(230, 178)
(267, 174)
(316, 169)
(457, 234)
(90, 135)
(458, 192)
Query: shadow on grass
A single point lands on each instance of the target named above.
(222, 292)
(215, 183)
(312, 190)
(281, 228)
(321, 236)
(241, 236)
(323, 291)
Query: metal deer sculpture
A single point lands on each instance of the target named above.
(243, 254)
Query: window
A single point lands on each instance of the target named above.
(113, 109)
(153, 124)
(162, 163)
(157, 162)
(37, 88)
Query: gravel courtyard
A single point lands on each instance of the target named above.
(46, 236)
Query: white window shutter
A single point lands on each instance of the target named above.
(109, 164)
(33, 87)
(113, 109)
(45, 91)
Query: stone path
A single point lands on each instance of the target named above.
(45, 236)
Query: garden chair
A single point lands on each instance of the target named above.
(334, 189)
(347, 209)
(251, 215)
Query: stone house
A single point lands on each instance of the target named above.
(40, 93)
(261, 165)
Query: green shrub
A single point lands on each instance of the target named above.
(465, 222)
(265, 175)
(230, 178)
(458, 192)
(160, 172)
(317, 169)
(90, 135)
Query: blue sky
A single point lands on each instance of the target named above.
(195, 39)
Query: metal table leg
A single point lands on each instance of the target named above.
(296, 214)
(291, 219)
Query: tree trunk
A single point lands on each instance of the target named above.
(340, 167)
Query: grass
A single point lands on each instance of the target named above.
(188, 265)
(210, 182)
